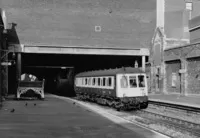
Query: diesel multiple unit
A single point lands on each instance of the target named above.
(121, 88)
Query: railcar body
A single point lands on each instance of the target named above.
(123, 88)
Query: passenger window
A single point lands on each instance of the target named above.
(86, 81)
(141, 80)
(99, 82)
(93, 83)
(109, 82)
(104, 81)
(124, 82)
(132, 81)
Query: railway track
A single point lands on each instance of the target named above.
(182, 125)
(167, 121)
(184, 108)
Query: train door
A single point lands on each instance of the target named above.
(142, 84)
(121, 85)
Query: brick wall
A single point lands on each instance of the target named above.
(173, 67)
(193, 77)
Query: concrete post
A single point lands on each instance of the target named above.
(18, 65)
(143, 63)
(164, 78)
(152, 78)
(18, 69)
(184, 74)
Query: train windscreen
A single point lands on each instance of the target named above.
(141, 80)
(133, 81)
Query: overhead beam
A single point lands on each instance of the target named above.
(62, 67)
(85, 50)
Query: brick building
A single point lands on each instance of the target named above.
(180, 61)
(169, 45)
(182, 66)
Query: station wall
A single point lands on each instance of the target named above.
(173, 76)
(193, 76)
(183, 70)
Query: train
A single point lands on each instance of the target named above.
(122, 88)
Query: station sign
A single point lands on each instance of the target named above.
(6, 63)
(188, 5)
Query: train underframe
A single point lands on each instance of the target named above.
(125, 103)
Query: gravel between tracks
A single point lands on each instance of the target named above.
(173, 132)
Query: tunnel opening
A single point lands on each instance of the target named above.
(59, 70)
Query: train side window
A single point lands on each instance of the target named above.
(124, 82)
(109, 82)
(93, 82)
(141, 80)
(99, 81)
(86, 81)
(89, 81)
(104, 81)
(132, 81)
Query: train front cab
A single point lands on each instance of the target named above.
(134, 87)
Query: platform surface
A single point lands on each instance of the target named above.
(193, 101)
(56, 118)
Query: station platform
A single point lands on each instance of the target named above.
(62, 118)
(191, 101)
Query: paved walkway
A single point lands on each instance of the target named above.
(177, 99)
(56, 118)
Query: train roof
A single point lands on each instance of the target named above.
(110, 72)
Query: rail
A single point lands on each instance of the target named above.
(181, 125)
(187, 108)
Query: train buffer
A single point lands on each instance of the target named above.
(30, 87)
